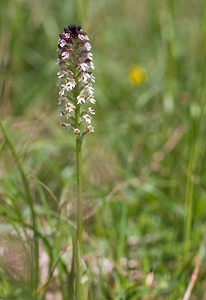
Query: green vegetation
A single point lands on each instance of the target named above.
(144, 168)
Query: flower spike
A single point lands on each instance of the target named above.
(75, 79)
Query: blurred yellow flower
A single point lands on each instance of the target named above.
(136, 74)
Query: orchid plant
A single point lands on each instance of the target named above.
(76, 95)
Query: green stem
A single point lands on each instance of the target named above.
(79, 277)
(78, 241)
(79, 181)
(79, 191)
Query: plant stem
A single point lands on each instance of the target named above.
(78, 165)
(78, 242)
(79, 191)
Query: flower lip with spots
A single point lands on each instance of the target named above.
(90, 111)
(87, 118)
(81, 99)
(91, 99)
(70, 107)
(90, 129)
(76, 131)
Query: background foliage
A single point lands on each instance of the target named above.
(144, 169)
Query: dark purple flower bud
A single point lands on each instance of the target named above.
(73, 27)
(69, 41)
(62, 36)
(74, 30)
(66, 30)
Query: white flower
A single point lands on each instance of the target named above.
(71, 84)
(91, 100)
(67, 35)
(62, 43)
(87, 118)
(85, 77)
(90, 111)
(80, 99)
(92, 78)
(89, 89)
(70, 107)
(68, 86)
(88, 46)
(91, 65)
(65, 55)
(76, 131)
(84, 66)
(90, 55)
(90, 93)
(90, 129)
(62, 92)
(60, 74)
(81, 37)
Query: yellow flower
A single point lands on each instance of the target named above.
(136, 74)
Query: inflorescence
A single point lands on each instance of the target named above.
(76, 93)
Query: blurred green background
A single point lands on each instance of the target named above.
(144, 168)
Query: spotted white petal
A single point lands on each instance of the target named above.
(70, 107)
(90, 129)
(76, 131)
(91, 65)
(90, 55)
(81, 37)
(65, 55)
(91, 100)
(87, 118)
(85, 77)
(84, 66)
(88, 46)
(81, 99)
(90, 111)
(62, 43)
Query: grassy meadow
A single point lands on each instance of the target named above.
(144, 167)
